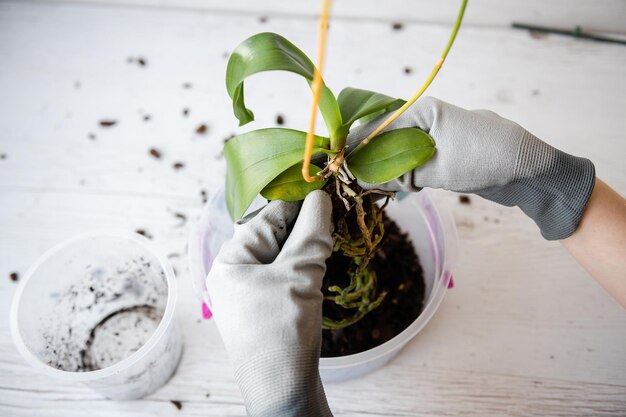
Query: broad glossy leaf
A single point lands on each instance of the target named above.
(391, 154)
(290, 186)
(355, 103)
(270, 52)
(255, 158)
(392, 107)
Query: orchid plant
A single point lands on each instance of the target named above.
(270, 161)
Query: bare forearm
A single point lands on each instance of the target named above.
(599, 243)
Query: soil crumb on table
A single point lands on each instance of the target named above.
(155, 153)
(177, 404)
(397, 26)
(143, 233)
(14, 276)
(399, 273)
(107, 122)
(181, 217)
(141, 61)
(202, 129)
(280, 120)
(178, 165)
(464, 199)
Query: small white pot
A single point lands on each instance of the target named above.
(99, 309)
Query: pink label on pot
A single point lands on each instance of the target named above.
(206, 313)
(451, 283)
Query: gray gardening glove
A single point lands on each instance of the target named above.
(265, 288)
(480, 152)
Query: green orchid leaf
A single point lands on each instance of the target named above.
(255, 158)
(355, 104)
(271, 52)
(391, 154)
(290, 186)
(392, 107)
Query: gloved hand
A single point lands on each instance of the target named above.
(480, 152)
(265, 289)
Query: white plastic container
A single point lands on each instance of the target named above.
(99, 309)
(433, 235)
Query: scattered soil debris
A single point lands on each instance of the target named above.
(208, 395)
(77, 85)
(204, 196)
(107, 122)
(185, 112)
(143, 233)
(535, 92)
(14, 276)
(464, 199)
(262, 19)
(551, 356)
(140, 60)
(155, 153)
(177, 404)
(408, 70)
(91, 136)
(178, 165)
(146, 117)
(201, 130)
(187, 86)
(280, 120)
(397, 26)
(227, 138)
(3, 156)
(182, 217)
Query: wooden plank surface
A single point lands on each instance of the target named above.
(601, 15)
(525, 332)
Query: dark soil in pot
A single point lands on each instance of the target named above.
(399, 274)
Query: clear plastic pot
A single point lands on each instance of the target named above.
(99, 309)
(434, 237)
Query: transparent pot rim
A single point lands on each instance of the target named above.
(165, 322)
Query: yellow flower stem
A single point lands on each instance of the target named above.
(316, 86)
(423, 88)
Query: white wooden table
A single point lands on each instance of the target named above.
(525, 332)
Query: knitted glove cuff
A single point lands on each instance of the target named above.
(283, 383)
(550, 186)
